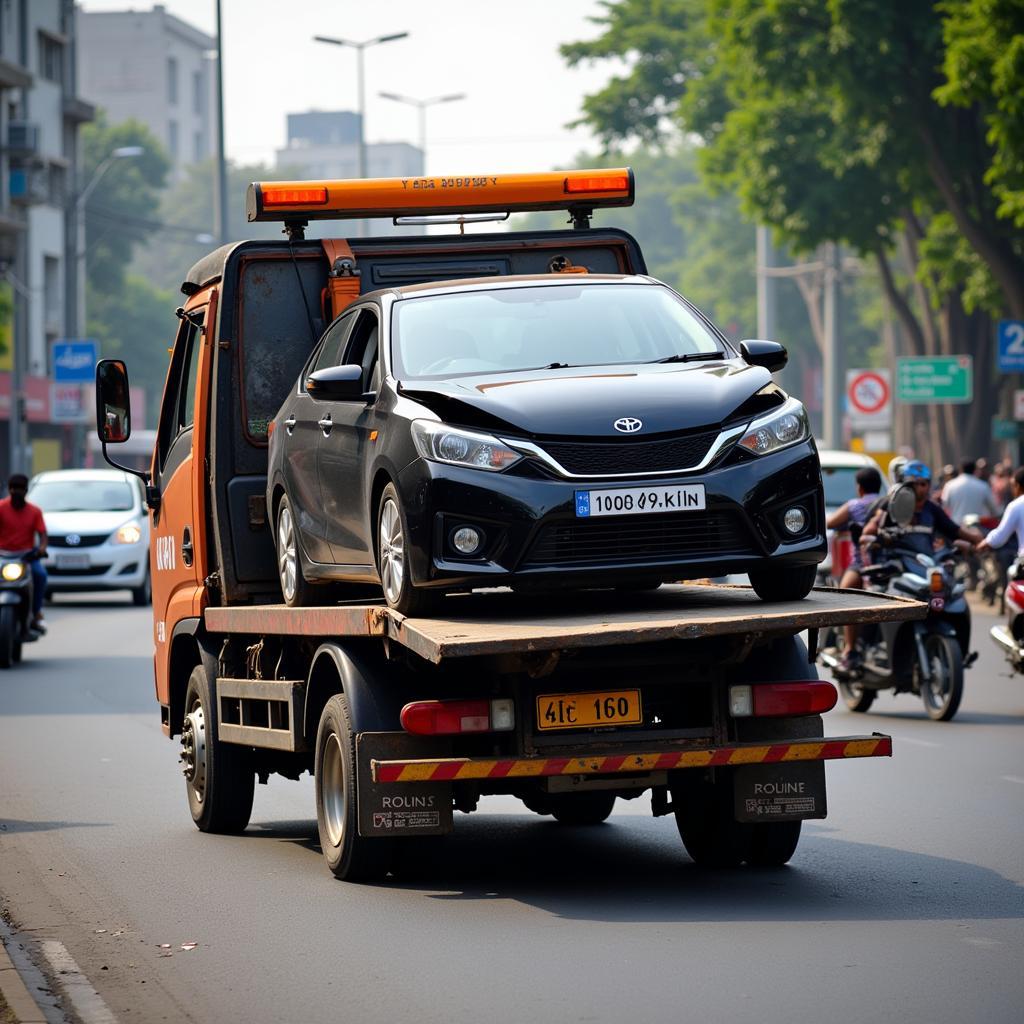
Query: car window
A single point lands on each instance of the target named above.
(329, 353)
(840, 484)
(363, 347)
(82, 495)
(178, 410)
(509, 329)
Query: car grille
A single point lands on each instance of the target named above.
(639, 539)
(92, 570)
(58, 540)
(599, 458)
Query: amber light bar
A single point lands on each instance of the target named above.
(397, 197)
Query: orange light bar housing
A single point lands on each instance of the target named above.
(399, 197)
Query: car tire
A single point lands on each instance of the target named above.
(142, 595)
(789, 584)
(295, 590)
(349, 855)
(219, 777)
(8, 635)
(393, 559)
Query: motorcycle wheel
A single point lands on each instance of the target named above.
(857, 697)
(8, 630)
(944, 688)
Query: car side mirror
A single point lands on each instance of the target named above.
(902, 505)
(769, 354)
(340, 383)
(113, 404)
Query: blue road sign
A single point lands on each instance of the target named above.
(1011, 346)
(74, 362)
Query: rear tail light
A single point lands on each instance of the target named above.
(778, 700)
(446, 717)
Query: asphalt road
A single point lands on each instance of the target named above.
(906, 904)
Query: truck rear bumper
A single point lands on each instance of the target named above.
(458, 769)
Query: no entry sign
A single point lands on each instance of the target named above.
(869, 398)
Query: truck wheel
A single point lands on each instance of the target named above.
(393, 559)
(944, 687)
(792, 584)
(582, 808)
(219, 777)
(294, 588)
(142, 595)
(773, 844)
(856, 696)
(8, 628)
(348, 854)
(710, 833)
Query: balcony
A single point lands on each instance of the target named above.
(22, 138)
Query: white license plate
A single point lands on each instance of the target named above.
(631, 501)
(72, 561)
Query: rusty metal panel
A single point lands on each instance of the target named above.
(333, 620)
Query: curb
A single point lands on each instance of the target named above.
(17, 996)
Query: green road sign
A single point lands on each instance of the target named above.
(920, 381)
(1006, 430)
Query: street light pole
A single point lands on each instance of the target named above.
(359, 47)
(421, 106)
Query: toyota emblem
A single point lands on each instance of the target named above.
(72, 540)
(627, 424)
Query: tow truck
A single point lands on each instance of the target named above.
(702, 695)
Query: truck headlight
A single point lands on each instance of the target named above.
(12, 571)
(785, 426)
(130, 533)
(460, 447)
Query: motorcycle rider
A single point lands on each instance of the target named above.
(1012, 521)
(928, 520)
(20, 523)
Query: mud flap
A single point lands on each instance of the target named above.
(402, 809)
(779, 792)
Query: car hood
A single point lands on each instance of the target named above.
(586, 401)
(88, 522)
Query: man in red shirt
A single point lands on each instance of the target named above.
(20, 523)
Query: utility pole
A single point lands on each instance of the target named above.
(222, 171)
(832, 357)
(421, 106)
(765, 284)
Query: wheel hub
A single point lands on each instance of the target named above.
(332, 790)
(193, 750)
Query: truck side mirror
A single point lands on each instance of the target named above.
(338, 383)
(769, 354)
(113, 404)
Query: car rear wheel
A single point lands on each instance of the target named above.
(393, 558)
(142, 595)
(783, 584)
(294, 588)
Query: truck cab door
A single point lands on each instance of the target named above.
(178, 545)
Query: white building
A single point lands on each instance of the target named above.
(157, 69)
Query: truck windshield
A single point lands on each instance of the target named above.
(82, 496)
(513, 329)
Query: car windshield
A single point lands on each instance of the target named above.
(511, 329)
(82, 496)
(840, 484)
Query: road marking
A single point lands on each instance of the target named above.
(85, 999)
(1013, 778)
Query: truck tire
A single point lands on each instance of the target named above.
(297, 593)
(8, 629)
(772, 844)
(712, 836)
(393, 558)
(783, 584)
(582, 808)
(944, 688)
(219, 777)
(349, 855)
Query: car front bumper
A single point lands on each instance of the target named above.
(104, 567)
(535, 539)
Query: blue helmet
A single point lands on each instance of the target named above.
(915, 470)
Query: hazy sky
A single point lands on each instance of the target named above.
(504, 57)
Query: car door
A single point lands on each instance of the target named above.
(302, 427)
(343, 451)
(178, 553)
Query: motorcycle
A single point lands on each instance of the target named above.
(1010, 637)
(16, 626)
(990, 568)
(926, 657)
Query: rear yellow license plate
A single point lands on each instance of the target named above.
(586, 710)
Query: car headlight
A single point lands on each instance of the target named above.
(12, 571)
(130, 533)
(785, 426)
(461, 447)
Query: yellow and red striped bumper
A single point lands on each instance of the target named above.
(457, 769)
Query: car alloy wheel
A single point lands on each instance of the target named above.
(287, 555)
(392, 551)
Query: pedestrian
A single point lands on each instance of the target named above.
(966, 495)
(1001, 484)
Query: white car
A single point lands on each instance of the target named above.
(839, 473)
(98, 530)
